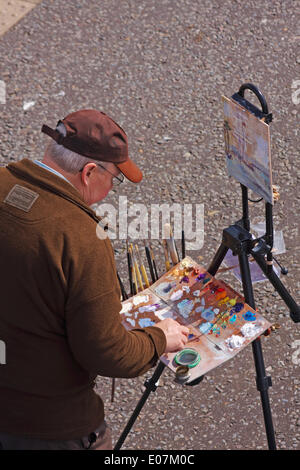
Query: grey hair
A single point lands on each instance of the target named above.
(66, 159)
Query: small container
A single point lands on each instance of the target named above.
(187, 357)
(182, 373)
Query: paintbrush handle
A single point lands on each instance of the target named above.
(136, 273)
(167, 262)
(129, 261)
(123, 291)
(182, 244)
(153, 261)
(113, 386)
(172, 250)
(139, 277)
(135, 291)
(144, 273)
(148, 255)
(142, 267)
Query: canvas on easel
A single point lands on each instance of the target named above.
(247, 147)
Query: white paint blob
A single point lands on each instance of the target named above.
(250, 329)
(126, 307)
(234, 342)
(140, 299)
(147, 308)
(176, 295)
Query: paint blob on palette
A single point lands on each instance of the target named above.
(180, 280)
(145, 309)
(215, 301)
(220, 322)
(204, 303)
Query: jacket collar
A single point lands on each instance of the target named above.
(48, 181)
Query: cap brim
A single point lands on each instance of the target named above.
(130, 171)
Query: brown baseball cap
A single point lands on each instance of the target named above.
(95, 135)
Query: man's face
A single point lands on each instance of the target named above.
(97, 182)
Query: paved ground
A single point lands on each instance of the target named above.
(160, 68)
(11, 11)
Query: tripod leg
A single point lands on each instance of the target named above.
(151, 386)
(262, 381)
(218, 258)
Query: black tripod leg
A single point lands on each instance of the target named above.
(262, 381)
(151, 386)
(218, 258)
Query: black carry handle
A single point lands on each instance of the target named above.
(265, 111)
(259, 95)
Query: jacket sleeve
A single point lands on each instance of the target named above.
(101, 344)
(98, 340)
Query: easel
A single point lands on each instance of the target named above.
(238, 238)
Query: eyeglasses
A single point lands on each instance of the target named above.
(116, 179)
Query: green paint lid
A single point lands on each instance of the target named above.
(187, 357)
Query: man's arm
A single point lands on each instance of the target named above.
(96, 336)
(102, 345)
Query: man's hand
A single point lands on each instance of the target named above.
(176, 334)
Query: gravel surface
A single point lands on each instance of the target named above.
(159, 69)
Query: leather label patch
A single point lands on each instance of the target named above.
(21, 197)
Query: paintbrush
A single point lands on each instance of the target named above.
(153, 261)
(142, 268)
(167, 261)
(129, 261)
(182, 244)
(123, 291)
(148, 256)
(133, 271)
(223, 270)
(138, 274)
(113, 386)
(168, 235)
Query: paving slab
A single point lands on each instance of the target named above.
(12, 11)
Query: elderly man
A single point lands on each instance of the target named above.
(60, 297)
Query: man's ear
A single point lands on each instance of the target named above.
(90, 169)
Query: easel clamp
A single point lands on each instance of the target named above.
(263, 383)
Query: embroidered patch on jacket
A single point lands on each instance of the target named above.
(21, 197)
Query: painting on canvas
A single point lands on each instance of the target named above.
(247, 147)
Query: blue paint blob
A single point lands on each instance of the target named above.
(144, 322)
(238, 307)
(249, 316)
(208, 314)
(205, 327)
(185, 307)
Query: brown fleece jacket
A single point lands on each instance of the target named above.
(60, 304)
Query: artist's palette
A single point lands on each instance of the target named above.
(145, 309)
(220, 322)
